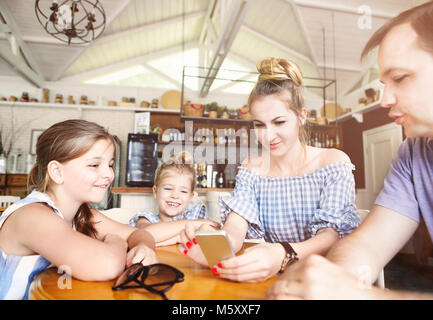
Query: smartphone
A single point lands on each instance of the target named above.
(215, 245)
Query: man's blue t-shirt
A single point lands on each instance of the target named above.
(408, 188)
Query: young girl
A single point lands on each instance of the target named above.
(300, 199)
(173, 190)
(54, 225)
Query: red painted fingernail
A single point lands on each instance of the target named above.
(216, 274)
(214, 270)
(188, 244)
(220, 265)
(194, 240)
(185, 251)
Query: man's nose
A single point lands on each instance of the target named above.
(389, 98)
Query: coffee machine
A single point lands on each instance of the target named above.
(142, 159)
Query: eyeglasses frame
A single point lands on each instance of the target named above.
(141, 274)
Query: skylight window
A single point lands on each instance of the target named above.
(114, 77)
(172, 67)
(137, 76)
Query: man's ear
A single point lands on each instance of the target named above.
(55, 171)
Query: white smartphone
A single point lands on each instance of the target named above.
(215, 246)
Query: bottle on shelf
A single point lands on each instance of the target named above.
(220, 179)
(203, 180)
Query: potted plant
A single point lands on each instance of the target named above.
(223, 112)
(213, 110)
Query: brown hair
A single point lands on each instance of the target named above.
(283, 78)
(62, 142)
(181, 162)
(421, 20)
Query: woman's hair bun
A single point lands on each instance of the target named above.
(279, 69)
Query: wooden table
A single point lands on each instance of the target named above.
(199, 284)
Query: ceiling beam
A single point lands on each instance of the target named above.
(303, 30)
(79, 77)
(231, 16)
(19, 49)
(209, 14)
(109, 19)
(162, 75)
(4, 28)
(113, 36)
(19, 65)
(148, 26)
(43, 40)
(277, 44)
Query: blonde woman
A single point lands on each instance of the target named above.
(300, 199)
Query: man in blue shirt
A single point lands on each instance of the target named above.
(405, 61)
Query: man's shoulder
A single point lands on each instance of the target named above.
(415, 148)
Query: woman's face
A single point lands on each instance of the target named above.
(276, 126)
(173, 194)
(88, 177)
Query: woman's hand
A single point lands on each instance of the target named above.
(189, 245)
(141, 254)
(256, 264)
(315, 277)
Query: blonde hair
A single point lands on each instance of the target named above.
(62, 142)
(283, 78)
(182, 163)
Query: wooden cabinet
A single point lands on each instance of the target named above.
(13, 184)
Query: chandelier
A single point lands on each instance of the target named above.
(71, 21)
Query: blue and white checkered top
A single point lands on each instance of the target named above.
(293, 209)
(18, 272)
(192, 213)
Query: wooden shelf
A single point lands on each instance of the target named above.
(85, 107)
(357, 114)
(236, 122)
(316, 126)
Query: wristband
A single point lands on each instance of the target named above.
(291, 256)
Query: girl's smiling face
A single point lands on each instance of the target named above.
(173, 194)
(88, 177)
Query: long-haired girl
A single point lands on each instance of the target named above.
(54, 225)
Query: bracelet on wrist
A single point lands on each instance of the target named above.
(290, 257)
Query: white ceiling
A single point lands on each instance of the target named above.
(323, 37)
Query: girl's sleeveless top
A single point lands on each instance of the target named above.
(18, 272)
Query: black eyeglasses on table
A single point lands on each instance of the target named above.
(157, 278)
